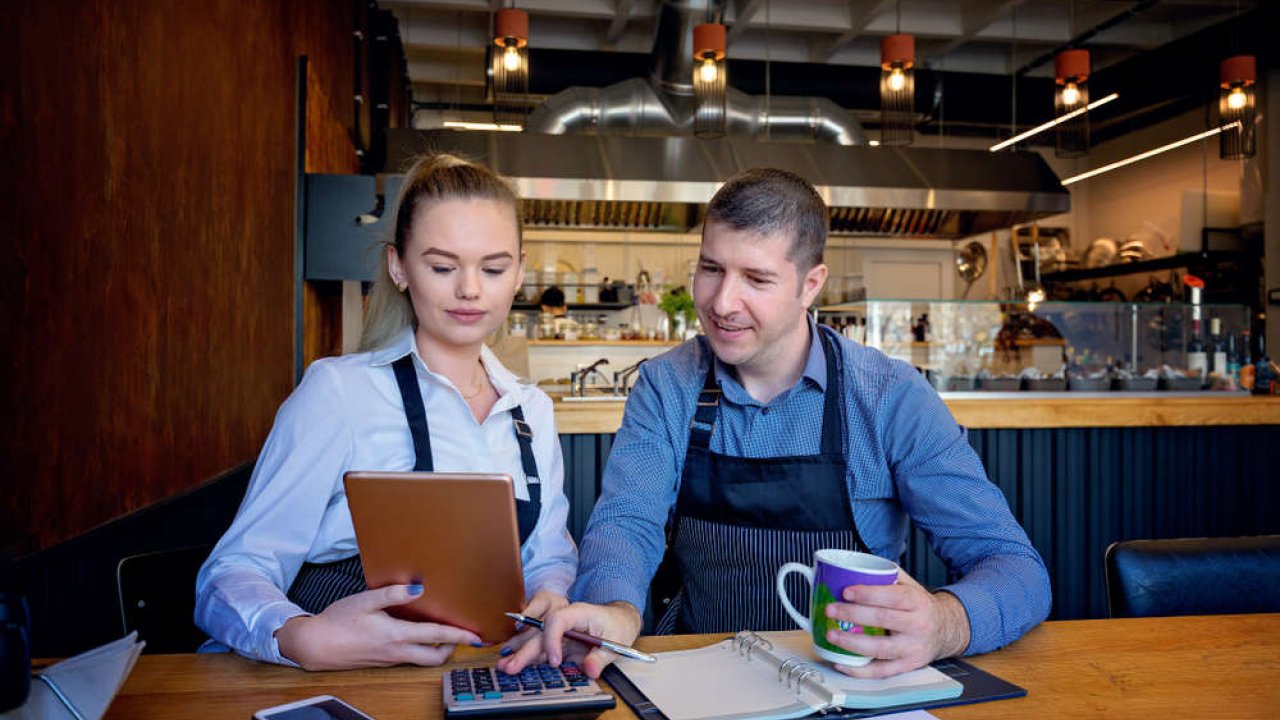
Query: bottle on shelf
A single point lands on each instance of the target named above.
(1262, 375)
(1216, 348)
(1246, 362)
(1197, 359)
(1233, 359)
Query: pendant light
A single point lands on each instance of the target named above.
(897, 89)
(1071, 92)
(709, 80)
(1237, 103)
(510, 65)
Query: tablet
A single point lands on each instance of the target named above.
(456, 533)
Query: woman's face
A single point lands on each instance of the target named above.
(462, 265)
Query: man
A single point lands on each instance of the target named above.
(768, 438)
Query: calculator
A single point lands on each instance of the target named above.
(537, 690)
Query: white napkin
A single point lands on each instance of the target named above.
(89, 680)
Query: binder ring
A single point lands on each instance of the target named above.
(809, 670)
(787, 665)
(803, 668)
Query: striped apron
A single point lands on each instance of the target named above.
(320, 584)
(737, 520)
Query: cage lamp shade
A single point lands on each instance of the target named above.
(510, 65)
(1071, 92)
(897, 89)
(1237, 103)
(709, 80)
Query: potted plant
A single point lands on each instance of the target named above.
(678, 305)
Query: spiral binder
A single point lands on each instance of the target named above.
(793, 673)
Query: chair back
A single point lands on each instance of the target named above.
(157, 593)
(1193, 576)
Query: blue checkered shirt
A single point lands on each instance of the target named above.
(907, 459)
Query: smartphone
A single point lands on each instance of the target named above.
(320, 707)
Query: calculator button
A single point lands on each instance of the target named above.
(464, 696)
(493, 695)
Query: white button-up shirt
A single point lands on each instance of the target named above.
(347, 414)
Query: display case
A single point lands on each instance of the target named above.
(1057, 346)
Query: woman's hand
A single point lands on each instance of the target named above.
(542, 604)
(618, 621)
(356, 632)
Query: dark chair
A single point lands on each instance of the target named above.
(1193, 576)
(158, 598)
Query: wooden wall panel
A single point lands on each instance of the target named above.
(149, 183)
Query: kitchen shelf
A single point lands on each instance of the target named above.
(1181, 260)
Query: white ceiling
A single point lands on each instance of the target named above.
(445, 39)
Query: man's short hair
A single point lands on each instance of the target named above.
(768, 201)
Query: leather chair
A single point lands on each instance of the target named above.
(1193, 576)
(157, 592)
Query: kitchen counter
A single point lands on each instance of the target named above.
(1023, 410)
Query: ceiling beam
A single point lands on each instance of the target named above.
(860, 16)
(746, 9)
(974, 18)
(620, 17)
(1134, 10)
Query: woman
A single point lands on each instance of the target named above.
(284, 584)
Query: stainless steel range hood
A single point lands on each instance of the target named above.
(598, 181)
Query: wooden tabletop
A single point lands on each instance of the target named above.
(1028, 410)
(1193, 667)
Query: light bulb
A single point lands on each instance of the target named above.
(897, 79)
(1237, 99)
(707, 73)
(1070, 94)
(511, 58)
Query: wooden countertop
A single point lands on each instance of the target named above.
(1027, 410)
(1156, 668)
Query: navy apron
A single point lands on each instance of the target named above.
(738, 520)
(320, 584)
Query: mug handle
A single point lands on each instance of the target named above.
(785, 570)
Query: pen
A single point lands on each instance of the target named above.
(591, 640)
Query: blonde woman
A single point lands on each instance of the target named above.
(284, 584)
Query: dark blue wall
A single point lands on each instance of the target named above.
(1077, 490)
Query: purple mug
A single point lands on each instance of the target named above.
(832, 572)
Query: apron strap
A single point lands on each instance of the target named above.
(415, 412)
(832, 420)
(703, 423)
(524, 438)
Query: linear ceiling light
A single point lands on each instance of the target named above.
(501, 127)
(1144, 155)
(1045, 126)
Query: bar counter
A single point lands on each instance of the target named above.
(1024, 410)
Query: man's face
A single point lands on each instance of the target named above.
(751, 297)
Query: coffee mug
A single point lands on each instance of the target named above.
(832, 572)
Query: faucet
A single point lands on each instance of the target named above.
(621, 377)
(578, 378)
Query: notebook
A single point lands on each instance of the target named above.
(768, 676)
(89, 682)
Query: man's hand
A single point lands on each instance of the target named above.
(922, 626)
(356, 632)
(542, 604)
(618, 621)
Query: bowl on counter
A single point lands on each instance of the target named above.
(1000, 384)
(1179, 384)
(1084, 384)
(1044, 384)
(1134, 384)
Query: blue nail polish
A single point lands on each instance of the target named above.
(477, 644)
(505, 651)
(415, 589)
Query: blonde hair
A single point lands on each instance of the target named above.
(431, 179)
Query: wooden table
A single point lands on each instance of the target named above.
(1193, 667)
